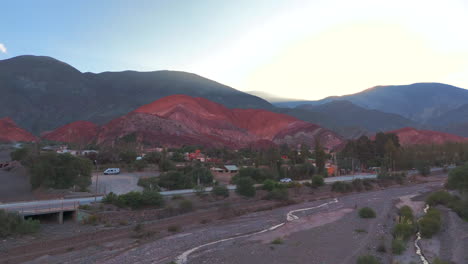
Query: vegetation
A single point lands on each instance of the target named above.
(458, 205)
(220, 191)
(185, 206)
(423, 168)
(367, 259)
(430, 223)
(278, 193)
(342, 187)
(398, 246)
(245, 187)
(277, 241)
(256, 174)
(149, 184)
(458, 178)
(173, 228)
(317, 181)
(13, 224)
(135, 200)
(367, 212)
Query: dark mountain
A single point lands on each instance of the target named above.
(419, 102)
(42, 93)
(454, 121)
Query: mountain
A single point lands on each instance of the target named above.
(42, 93)
(454, 121)
(270, 97)
(10, 132)
(346, 114)
(419, 102)
(412, 136)
(82, 132)
(180, 119)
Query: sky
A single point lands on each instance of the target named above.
(292, 49)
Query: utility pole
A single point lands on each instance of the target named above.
(97, 179)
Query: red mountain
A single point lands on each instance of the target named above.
(412, 136)
(10, 132)
(83, 132)
(181, 119)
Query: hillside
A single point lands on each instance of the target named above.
(82, 132)
(419, 102)
(42, 93)
(181, 119)
(10, 132)
(412, 136)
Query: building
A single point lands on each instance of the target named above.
(231, 168)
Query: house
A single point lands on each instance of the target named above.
(217, 169)
(197, 155)
(231, 168)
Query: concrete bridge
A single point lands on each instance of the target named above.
(57, 208)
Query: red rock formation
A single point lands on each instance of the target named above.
(10, 132)
(181, 119)
(82, 132)
(412, 136)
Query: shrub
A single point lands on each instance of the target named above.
(398, 246)
(135, 200)
(367, 212)
(440, 197)
(367, 183)
(174, 180)
(439, 261)
(185, 206)
(277, 241)
(150, 183)
(367, 259)
(269, 185)
(256, 174)
(403, 231)
(221, 191)
(381, 248)
(173, 228)
(245, 187)
(110, 198)
(423, 168)
(91, 220)
(430, 223)
(357, 185)
(281, 194)
(317, 181)
(406, 214)
(342, 187)
(152, 198)
(458, 178)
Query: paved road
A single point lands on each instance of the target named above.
(44, 205)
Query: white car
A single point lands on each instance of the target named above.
(112, 171)
(286, 180)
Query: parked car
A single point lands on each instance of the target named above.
(285, 180)
(110, 171)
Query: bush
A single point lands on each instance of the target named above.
(175, 180)
(430, 223)
(342, 187)
(277, 241)
(440, 197)
(423, 168)
(245, 187)
(173, 228)
(439, 261)
(281, 194)
(403, 231)
(269, 185)
(256, 174)
(185, 206)
(367, 212)
(398, 246)
(367, 183)
(317, 181)
(406, 214)
(221, 191)
(357, 185)
(458, 178)
(367, 259)
(60, 171)
(135, 200)
(150, 183)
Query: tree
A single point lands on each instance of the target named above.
(220, 191)
(127, 156)
(458, 178)
(245, 187)
(60, 171)
(317, 181)
(174, 180)
(153, 157)
(166, 165)
(320, 157)
(201, 175)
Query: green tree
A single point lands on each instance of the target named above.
(174, 180)
(320, 157)
(245, 187)
(458, 178)
(202, 175)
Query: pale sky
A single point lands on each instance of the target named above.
(296, 49)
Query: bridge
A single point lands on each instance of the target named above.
(56, 208)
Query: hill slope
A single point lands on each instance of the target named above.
(42, 93)
(411, 136)
(82, 132)
(181, 119)
(10, 132)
